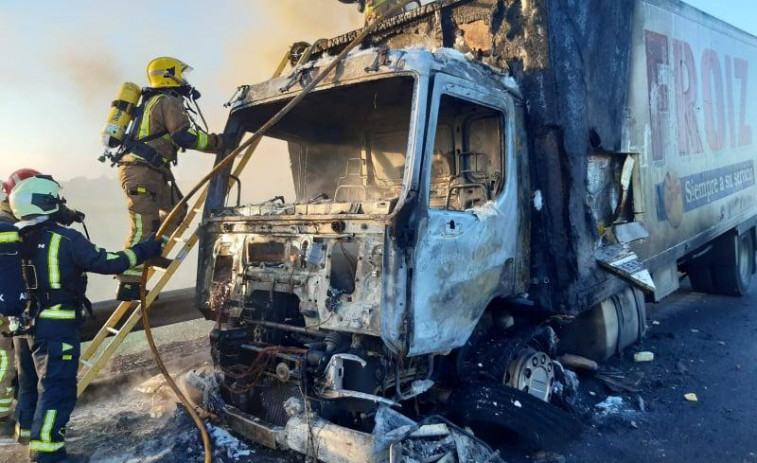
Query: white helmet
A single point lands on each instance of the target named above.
(35, 196)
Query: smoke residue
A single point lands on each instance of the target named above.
(275, 26)
(94, 75)
(253, 55)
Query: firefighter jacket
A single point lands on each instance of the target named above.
(166, 128)
(57, 259)
(12, 286)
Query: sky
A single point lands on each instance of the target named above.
(61, 64)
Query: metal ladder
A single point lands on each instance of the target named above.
(111, 335)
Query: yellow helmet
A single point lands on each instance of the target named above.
(165, 72)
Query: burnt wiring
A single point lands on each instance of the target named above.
(253, 373)
(308, 417)
(409, 372)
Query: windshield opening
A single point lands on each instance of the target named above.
(345, 145)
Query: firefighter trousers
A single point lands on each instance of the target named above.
(27, 387)
(150, 194)
(7, 375)
(47, 387)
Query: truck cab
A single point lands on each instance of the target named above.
(407, 191)
(410, 170)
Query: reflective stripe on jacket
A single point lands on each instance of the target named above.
(60, 257)
(165, 113)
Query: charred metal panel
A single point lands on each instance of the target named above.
(336, 276)
(571, 60)
(461, 261)
(583, 90)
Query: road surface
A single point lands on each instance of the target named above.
(703, 345)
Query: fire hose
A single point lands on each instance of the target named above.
(217, 169)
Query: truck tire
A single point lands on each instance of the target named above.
(701, 279)
(495, 410)
(733, 278)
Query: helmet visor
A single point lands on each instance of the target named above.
(46, 202)
(185, 71)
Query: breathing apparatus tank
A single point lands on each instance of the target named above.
(121, 115)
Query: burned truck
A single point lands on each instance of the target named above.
(481, 186)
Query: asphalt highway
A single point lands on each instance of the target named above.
(703, 345)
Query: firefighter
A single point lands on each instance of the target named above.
(376, 8)
(56, 259)
(164, 128)
(12, 303)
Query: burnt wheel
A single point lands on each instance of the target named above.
(496, 412)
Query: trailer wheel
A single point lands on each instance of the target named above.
(701, 279)
(733, 278)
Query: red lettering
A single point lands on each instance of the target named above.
(741, 71)
(659, 94)
(689, 140)
(712, 95)
(731, 105)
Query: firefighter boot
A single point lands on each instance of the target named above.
(7, 431)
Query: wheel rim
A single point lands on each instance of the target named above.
(532, 372)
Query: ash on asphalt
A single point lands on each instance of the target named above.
(131, 427)
(703, 344)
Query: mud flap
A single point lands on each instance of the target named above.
(621, 261)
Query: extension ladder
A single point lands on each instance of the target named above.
(111, 335)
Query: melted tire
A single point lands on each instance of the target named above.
(494, 409)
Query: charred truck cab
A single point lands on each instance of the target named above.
(477, 175)
(401, 184)
(408, 167)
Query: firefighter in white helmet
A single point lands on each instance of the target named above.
(56, 259)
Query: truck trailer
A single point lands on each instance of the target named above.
(481, 186)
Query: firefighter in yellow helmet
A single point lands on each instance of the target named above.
(377, 8)
(163, 128)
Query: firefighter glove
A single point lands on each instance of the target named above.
(154, 246)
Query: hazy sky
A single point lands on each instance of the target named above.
(62, 62)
